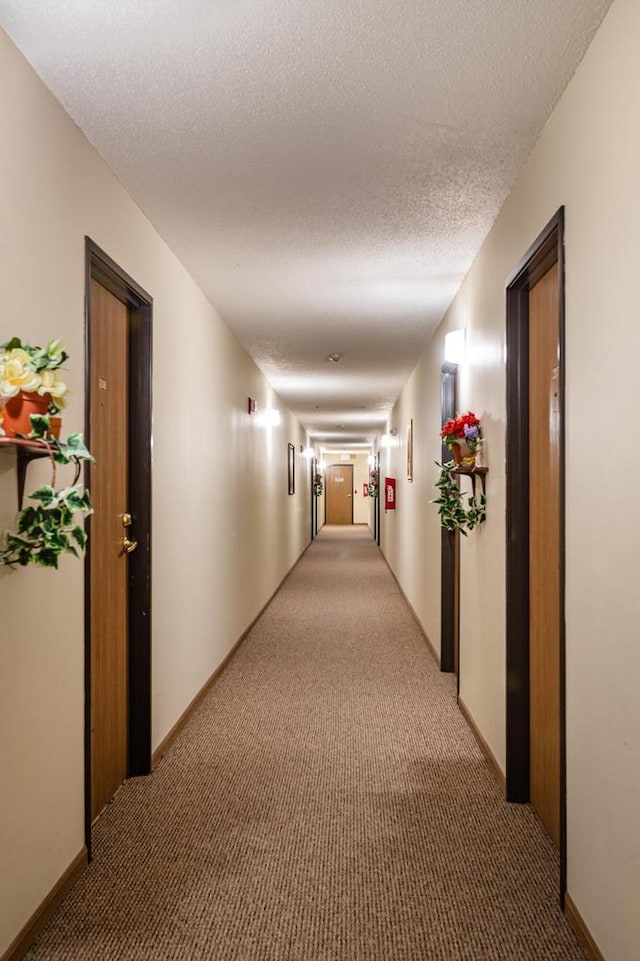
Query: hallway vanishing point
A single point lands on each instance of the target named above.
(327, 802)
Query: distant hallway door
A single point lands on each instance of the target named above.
(544, 550)
(109, 363)
(339, 494)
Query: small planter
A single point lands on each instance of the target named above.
(16, 414)
(463, 454)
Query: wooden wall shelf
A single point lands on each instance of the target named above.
(26, 450)
(473, 472)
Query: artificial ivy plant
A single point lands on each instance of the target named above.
(453, 514)
(51, 527)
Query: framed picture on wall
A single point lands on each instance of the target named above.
(291, 467)
(410, 450)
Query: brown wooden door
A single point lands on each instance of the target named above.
(544, 550)
(108, 562)
(339, 494)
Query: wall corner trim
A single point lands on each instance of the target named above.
(414, 614)
(192, 706)
(484, 747)
(581, 931)
(36, 923)
(168, 740)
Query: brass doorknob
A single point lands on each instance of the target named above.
(128, 547)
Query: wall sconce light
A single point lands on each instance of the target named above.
(269, 417)
(455, 346)
(307, 452)
(252, 405)
(322, 465)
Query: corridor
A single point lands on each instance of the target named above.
(327, 802)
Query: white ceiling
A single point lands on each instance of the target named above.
(325, 169)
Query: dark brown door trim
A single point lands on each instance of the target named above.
(314, 500)
(547, 250)
(449, 593)
(100, 267)
(376, 506)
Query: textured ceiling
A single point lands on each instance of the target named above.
(325, 170)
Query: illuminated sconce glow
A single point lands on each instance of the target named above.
(385, 440)
(322, 465)
(269, 417)
(455, 346)
(308, 452)
(371, 460)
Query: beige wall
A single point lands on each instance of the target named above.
(225, 532)
(586, 159)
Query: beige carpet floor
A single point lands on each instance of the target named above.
(326, 803)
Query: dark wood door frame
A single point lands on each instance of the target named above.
(376, 507)
(314, 499)
(449, 593)
(313, 509)
(100, 267)
(546, 250)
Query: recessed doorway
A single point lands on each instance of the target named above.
(535, 535)
(118, 561)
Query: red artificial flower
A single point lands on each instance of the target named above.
(448, 428)
(454, 428)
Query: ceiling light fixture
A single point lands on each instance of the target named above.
(334, 358)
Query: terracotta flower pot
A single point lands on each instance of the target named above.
(463, 455)
(16, 414)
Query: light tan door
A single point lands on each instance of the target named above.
(544, 550)
(339, 494)
(108, 564)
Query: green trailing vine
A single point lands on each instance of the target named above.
(476, 511)
(454, 516)
(51, 526)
